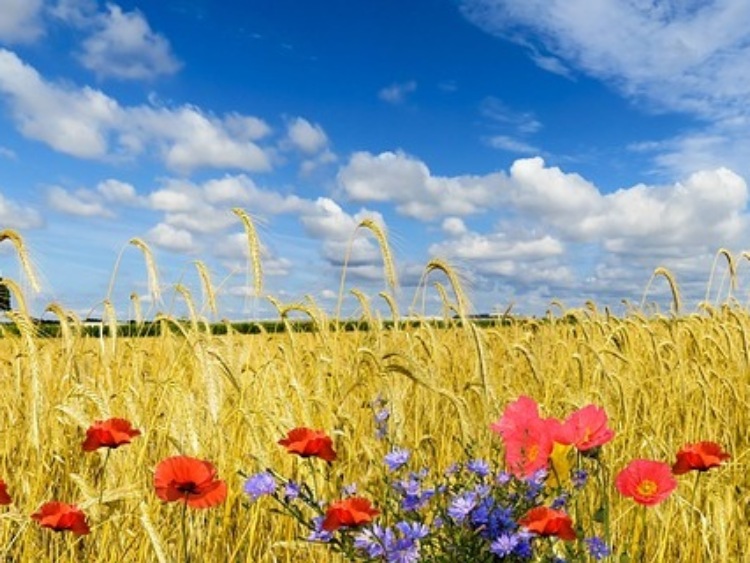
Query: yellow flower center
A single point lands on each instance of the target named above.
(647, 488)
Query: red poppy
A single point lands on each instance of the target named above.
(306, 442)
(110, 433)
(585, 429)
(61, 517)
(183, 478)
(548, 522)
(4, 496)
(352, 511)
(647, 482)
(699, 457)
(527, 437)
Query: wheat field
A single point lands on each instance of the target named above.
(663, 380)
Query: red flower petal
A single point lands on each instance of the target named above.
(4, 496)
(307, 442)
(699, 457)
(190, 480)
(548, 522)
(110, 433)
(353, 511)
(60, 517)
(646, 482)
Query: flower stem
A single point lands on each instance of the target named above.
(185, 552)
(101, 477)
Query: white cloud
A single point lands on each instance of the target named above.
(326, 220)
(454, 227)
(167, 237)
(116, 191)
(20, 20)
(124, 46)
(691, 57)
(705, 211)
(498, 112)
(675, 54)
(98, 202)
(396, 93)
(82, 203)
(16, 216)
(506, 143)
(87, 123)
(305, 136)
(408, 183)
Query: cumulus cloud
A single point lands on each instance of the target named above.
(99, 202)
(20, 20)
(124, 46)
(407, 181)
(86, 123)
(396, 93)
(16, 216)
(169, 238)
(305, 136)
(82, 203)
(704, 210)
(326, 220)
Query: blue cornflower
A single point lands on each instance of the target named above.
(559, 502)
(349, 490)
(260, 484)
(461, 506)
(318, 533)
(291, 490)
(504, 545)
(478, 467)
(523, 548)
(414, 497)
(374, 541)
(597, 548)
(397, 458)
(579, 478)
(381, 422)
(413, 530)
(503, 478)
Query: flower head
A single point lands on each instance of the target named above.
(110, 433)
(699, 457)
(191, 480)
(4, 496)
(597, 548)
(263, 483)
(397, 458)
(527, 437)
(61, 517)
(548, 522)
(647, 482)
(306, 442)
(349, 512)
(586, 429)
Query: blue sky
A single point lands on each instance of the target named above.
(548, 150)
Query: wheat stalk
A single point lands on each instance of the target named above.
(23, 255)
(253, 246)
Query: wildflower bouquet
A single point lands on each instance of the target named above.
(549, 501)
(471, 511)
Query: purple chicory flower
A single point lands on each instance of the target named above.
(504, 545)
(598, 549)
(461, 506)
(397, 458)
(478, 467)
(259, 485)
